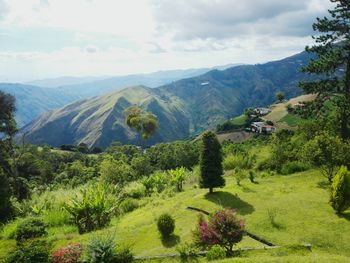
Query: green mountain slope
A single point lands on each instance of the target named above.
(183, 107)
(100, 120)
(39, 96)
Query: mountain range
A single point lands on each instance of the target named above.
(37, 97)
(183, 107)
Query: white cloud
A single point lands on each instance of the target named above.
(129, 36)
(4, 9)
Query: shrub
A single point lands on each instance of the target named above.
(187, 251)
(252, 176)
(36, 250)
(68, 254)
(56, 217)
(124, 255)
(178, 176)
(128, 205)
(215, 253)
(340, 192)
(103, 249)
(135, 190)
(239, 161)
(239, 175)
(223, 228)
(30, 228)
(92, 209)
(155, 182)
(9, 230)
(166, 225)
(294, 167)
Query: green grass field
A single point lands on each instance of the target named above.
(239, 120)
(286, 210)
(292, 120)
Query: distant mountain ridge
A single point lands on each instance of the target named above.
(31, 101)
(34, 100)
(183, 107)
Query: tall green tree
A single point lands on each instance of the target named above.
(7, 129)
(6, 209)
(211, 170)
(145, 123)
(332, 50)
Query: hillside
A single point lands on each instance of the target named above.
(187, 106)
(36, 97)
(299, 204)
(100, 120)
(280, 116)
(31, 101)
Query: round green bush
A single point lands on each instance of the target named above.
(166, 225)
(216, 252)
(35, 250)
(30, 228)
(294, 167)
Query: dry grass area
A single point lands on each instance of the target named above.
(279, 110)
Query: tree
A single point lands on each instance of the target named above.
(327, 152)
(6, 209)
(145, 123)
(340, 191)
(280, 96)
(211, 171)
(7, 129)
(116, 171)
(141, 166)
(332, 50)
(9, 152)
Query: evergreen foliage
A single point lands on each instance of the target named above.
(332, 50)
(6, 209)
(30, 228)
(340, 190)
(211, 170)
(166, 225)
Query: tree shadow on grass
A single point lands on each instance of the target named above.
(170, 241)
(345, 215)
(228, 200)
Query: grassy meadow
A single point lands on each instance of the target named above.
(286, 210)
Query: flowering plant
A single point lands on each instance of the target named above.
(223, 228)
(68, 254)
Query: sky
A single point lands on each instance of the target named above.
(52, 38)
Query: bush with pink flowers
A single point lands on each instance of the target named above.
(68, 254)
(223, 228)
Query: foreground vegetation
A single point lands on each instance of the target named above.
(286, 210)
